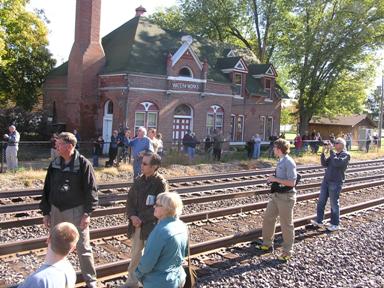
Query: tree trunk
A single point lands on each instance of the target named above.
(304, 119)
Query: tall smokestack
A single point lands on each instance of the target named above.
(85, 61)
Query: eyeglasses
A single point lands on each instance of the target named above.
(144, 163)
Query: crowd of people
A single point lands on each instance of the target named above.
(159, 239)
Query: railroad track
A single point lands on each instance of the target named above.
(38, 243)
(189, 181)
(198, 189)
(111, 271)
(196, 198)
(117, 269)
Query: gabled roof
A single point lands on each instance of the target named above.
(262, 69)
(227, 62)
(141, 46)
(351, 120)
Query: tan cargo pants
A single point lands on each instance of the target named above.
(280, 204)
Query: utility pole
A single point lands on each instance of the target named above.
(381, 108)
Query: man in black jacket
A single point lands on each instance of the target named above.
(70, 195)
(140, 208)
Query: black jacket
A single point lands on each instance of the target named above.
(68, 186)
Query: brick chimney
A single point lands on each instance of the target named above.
(85, 61)
(140, 11)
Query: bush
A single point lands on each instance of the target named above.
(32, 125)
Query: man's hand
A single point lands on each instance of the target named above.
(47, 221)
(136, 221)
(271, 179)
(85, 220)
(326, 148)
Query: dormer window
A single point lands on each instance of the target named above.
(185, 72)
(237, 80)
(267, 83)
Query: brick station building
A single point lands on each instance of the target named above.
(142, 75)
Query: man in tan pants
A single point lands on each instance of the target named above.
(282, 201)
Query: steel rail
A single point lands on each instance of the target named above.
(107, 199)
(118, 267)
(187, 201)
(38, 243)
(199, 178)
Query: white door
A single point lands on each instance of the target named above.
(107, 125)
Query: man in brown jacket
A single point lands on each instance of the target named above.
(141, 199)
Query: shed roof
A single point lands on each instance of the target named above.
(350, 120)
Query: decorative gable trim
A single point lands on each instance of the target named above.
(187, 41)
(271, 71)
(231, 53)
(241, 66)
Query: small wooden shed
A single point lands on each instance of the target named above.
(358, 125)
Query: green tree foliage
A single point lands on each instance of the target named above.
(254, 24)
(286, 117)
(321, 48)
(372, 103)
(31, 125)
(327, 44)
(24, 60)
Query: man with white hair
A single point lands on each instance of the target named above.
(332, 184)
(140, 145)
(13, 139)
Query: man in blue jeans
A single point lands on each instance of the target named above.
(336, 164)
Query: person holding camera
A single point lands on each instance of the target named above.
(70, 195)
(282, 201)
(336, 164)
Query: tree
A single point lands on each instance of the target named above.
(372, 103)
(25, 61)
(254, 24)
(327, 44)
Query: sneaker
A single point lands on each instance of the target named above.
(284, 257)
(264, 248)
(316, 224)
(333, 228)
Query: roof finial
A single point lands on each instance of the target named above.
(140, 10)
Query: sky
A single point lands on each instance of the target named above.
(114, 13)
(61, 14)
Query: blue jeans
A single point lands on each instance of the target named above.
(191, 153)
(95, 160)
(256, 151)
(137, 166)
(331, 190)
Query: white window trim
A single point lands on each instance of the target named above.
(272, 124)
(263, 119)
(242, 126)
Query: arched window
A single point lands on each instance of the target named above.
(146, 115)
(183, 109)
(185, 72)
(215, 119)
(108, 107)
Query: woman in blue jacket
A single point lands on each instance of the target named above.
(166, 247)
